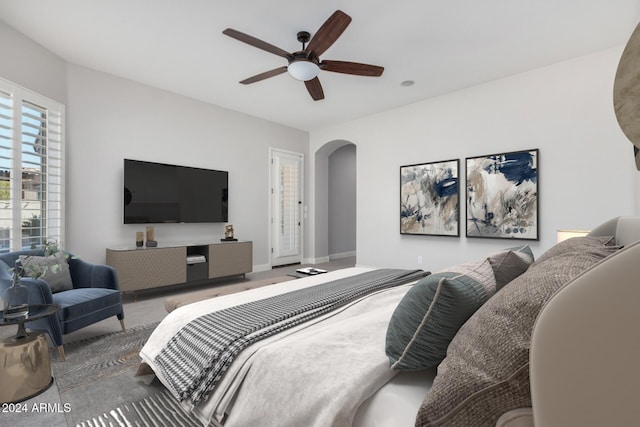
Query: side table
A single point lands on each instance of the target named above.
(25, 366)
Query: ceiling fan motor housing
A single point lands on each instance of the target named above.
(304, 37)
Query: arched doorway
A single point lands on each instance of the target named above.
(335, 200)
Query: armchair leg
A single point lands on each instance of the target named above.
(61, 352)
(122, 325)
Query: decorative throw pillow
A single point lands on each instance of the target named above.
(56, 268)
(486, 371)
(575, 246)
(510, 263)
(429, 315)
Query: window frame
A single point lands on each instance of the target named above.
(52, 186)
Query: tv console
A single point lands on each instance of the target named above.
(172, 264)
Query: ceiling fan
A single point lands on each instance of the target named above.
(305, 65)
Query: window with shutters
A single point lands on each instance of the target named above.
(289, 225)
(31, 169)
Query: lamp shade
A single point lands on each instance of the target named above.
(303, 70)
(567, 234)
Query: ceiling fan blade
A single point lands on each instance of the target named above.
(355, 68)
(245, 38)
(329, 32)
(264, 75)
(315, 89)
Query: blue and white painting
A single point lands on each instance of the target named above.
(429, 201)
(502, 195)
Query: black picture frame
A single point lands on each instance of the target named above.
(430, 198)
(502, 195)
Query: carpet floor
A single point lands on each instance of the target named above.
(96, 359)
(98, 383)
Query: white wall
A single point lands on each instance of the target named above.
(586, 169)
(110, 119)
(586, 165)
(342, 202)
(31, 66)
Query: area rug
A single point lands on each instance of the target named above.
(97, 384)
(95, 359)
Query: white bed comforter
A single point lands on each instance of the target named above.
(316, 374)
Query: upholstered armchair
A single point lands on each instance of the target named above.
(93, 295)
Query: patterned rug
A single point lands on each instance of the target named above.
(94, 359)
(158, 410)
(98, 383)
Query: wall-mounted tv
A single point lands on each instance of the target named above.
(162, 193)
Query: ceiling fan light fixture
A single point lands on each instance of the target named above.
(303, 70)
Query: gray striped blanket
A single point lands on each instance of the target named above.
(196, 357)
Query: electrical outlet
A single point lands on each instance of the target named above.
(420, 259)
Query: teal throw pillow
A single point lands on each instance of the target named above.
(430, 314)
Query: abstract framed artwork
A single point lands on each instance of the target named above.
(429, 199)
(502, 195)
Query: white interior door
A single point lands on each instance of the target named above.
(286, 207)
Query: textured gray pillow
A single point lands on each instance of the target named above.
(486, 371)
(429, 315)
(57, 273)
(510, 263)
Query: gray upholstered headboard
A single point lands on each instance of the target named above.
(585, 347)
(625, 229)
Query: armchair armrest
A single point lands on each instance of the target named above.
(88, 275)
(39, 291)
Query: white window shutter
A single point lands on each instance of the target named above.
(31, 169)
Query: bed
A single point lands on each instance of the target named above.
(441, 349)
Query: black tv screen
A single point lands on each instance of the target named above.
(163, 193)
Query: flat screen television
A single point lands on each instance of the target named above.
(162, 193)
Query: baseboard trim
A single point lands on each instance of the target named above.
(261, 267)
(315, 260)
(342, 255)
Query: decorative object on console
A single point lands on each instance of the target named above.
(228, 234)
(139, 239)
(429, 200)
(151, 238)
(502, 195)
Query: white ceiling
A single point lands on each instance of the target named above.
(444, 46)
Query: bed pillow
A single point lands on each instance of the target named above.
(575, 246)
(486, 371)
(57, 273)
(510, 263)
(429, 315)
